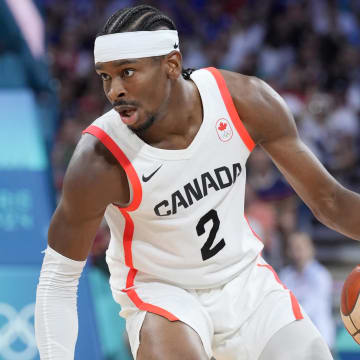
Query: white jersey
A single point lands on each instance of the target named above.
(185, 222)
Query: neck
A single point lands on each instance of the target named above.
(178, 120)
(302, 265)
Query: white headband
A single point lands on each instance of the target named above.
(135, 44)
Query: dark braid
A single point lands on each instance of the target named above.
(140, 18)
(187, 72)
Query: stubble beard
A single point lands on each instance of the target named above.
(139, 131)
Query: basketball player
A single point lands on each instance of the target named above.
(166, 166)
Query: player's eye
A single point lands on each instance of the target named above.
(128, 72)
(104, 76)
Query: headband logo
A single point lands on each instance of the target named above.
(135, 44)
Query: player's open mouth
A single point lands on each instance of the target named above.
(128, 114)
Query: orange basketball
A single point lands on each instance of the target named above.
(350, 304)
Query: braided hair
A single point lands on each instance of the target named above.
(140, 18)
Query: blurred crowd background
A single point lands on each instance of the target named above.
(307, 50)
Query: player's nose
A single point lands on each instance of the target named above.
(116, 90)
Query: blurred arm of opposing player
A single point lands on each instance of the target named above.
(93, 180)
(271, 125)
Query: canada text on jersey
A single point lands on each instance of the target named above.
(215, 180)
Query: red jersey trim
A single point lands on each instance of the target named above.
(252, 230)
(129, 223)
(230, 107)
(110, 144)
(149, 307)
(294, 303)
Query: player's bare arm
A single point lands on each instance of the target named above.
(271, 125)
(93, 180)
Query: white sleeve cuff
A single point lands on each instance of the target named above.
(56, 322)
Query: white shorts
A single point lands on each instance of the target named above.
(234, 321)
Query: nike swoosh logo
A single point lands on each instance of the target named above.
(147, 178)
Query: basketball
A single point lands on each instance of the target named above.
(350, 303)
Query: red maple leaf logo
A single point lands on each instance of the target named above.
(222, 126)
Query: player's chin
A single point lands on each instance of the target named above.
(141, 126)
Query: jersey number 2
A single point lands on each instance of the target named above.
(207, 251)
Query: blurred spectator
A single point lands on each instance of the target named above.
(66, 141)
(246, 37)
(262, 218)
(344, 129)
(311, 283)
(313, 125)
(265, 179)
(272, 203)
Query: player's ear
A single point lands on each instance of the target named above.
(173, 64)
